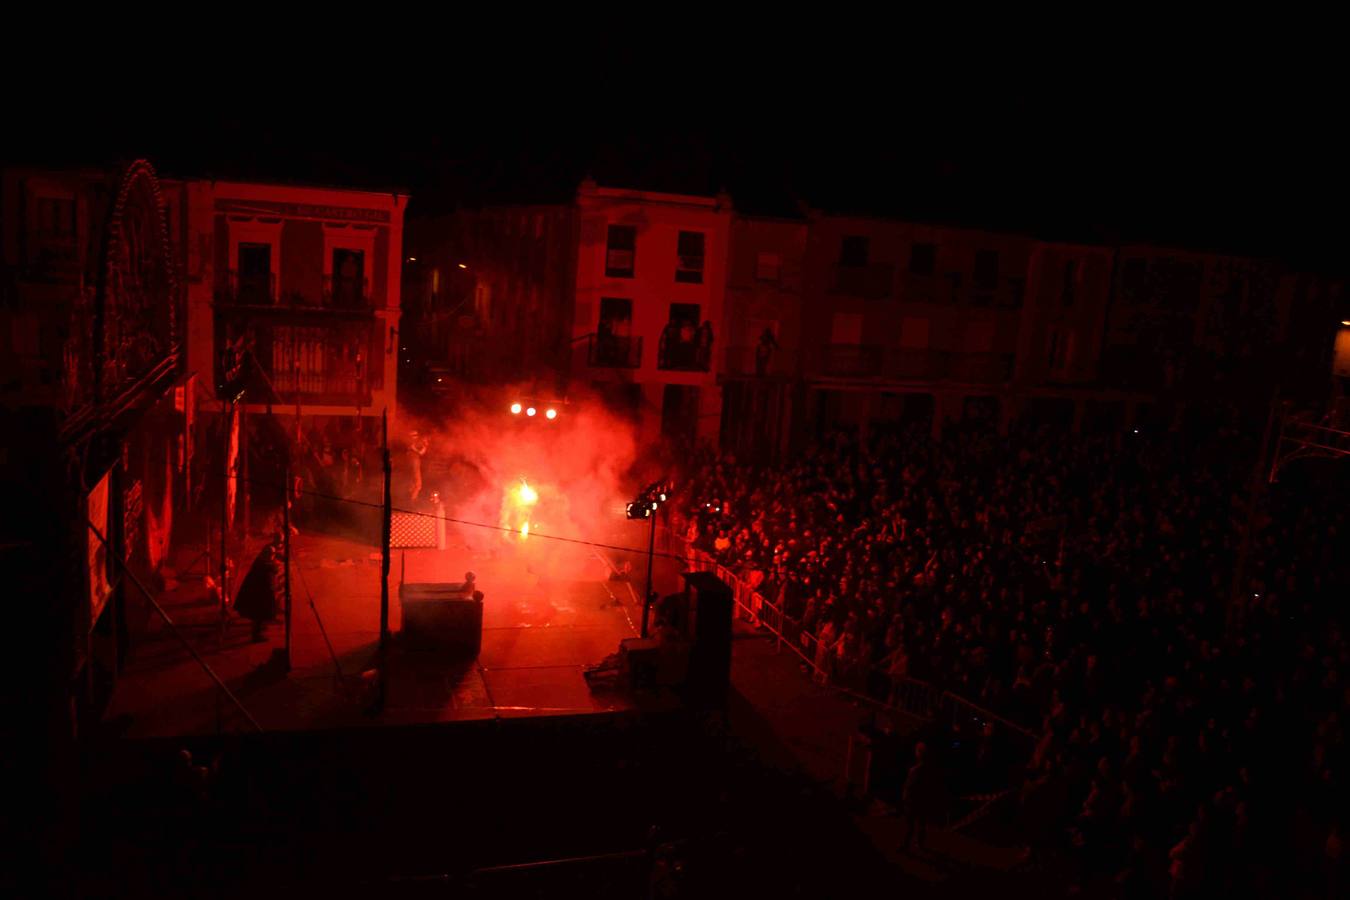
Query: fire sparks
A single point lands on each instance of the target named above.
(526, 494)
(525, 530)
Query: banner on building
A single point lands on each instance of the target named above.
(100, 586)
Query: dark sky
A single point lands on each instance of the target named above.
(1227, 156)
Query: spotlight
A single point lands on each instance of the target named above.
(462, 266)
(551, 414)
(529, 411)
(515, 409)
(662, 498)
(653, 505)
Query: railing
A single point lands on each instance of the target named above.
(980, 368)
(247, 290)
(870, 282)
(346, 293)
(849, 361)
(751, 361)
(310, 357)
(904, 363)
(907, 695)
(683, 356)
(613, 351)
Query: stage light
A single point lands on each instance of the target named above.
(653, 505)
(462, 266)
(662, 498)
(529, 411)
(551, 414)
(515, 409)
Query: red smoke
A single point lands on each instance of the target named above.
(579, 466)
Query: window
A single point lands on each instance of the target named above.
(853, 251)
(986, 270)
(922, 259)
(56, 218)
(616, 317)
(621, 251)
(255, 273)
(768, 267)
(679, 348)
(1070, 281)
(846, 328)
(349, 269)
(689, 258)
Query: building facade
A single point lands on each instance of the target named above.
(651, 278)
(299, 286)
(620, 292)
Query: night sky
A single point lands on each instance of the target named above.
(1229, 156)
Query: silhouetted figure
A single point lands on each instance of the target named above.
(258, 597)
(764, 351)
(417, 448)
(703, 341)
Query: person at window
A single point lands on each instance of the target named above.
(703, 340)
(764, 351)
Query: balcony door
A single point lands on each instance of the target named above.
(679, 339)
(255, 273)
(349, 277)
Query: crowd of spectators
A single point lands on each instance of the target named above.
(1188, 731)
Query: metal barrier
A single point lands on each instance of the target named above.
(910, 696)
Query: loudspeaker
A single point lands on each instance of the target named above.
(442, 617)
(710, 607)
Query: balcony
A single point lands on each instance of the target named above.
(907, 364)
(980, 368)
(307, 356)
(900, 364)
(870, 282)
(242, 289)
(613, 351)
(849, 361)
(751, 361)
(346, 293)
(916, 288)
(677, 353)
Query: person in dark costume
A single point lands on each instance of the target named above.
(259, 596)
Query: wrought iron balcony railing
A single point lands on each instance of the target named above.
(871, 282)
(683, 356)
(243, 289)
(308, 357)
(346, 293)
(849, 361)
(612, 351)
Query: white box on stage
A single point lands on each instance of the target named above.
(443, 616)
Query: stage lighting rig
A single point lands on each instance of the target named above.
(545, 410)
(645, 505)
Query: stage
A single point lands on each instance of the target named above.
(549, 612)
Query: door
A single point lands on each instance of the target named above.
(254, 284)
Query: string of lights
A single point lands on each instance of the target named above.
(457, 521)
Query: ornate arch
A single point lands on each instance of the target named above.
(136, 309)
